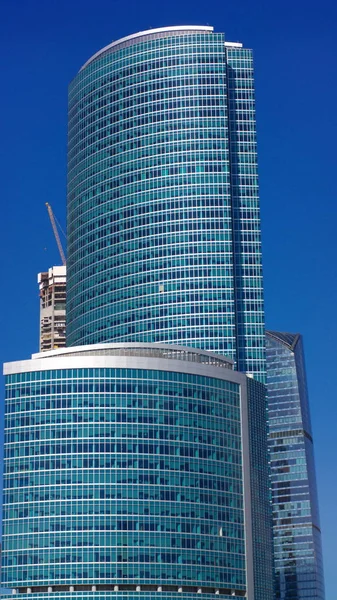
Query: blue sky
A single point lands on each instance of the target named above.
(44, 43)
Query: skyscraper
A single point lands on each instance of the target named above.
(163, 206)
(136, 458)
(297, 535)
(128, 473)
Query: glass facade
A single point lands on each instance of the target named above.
(260, 492)
(125, 471)
(163, 207)
(297, 535)
(134, 466)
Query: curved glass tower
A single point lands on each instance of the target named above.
(297, 534)
(127, 474)
(137, 468)
(163, 206)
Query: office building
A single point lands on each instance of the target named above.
(163, 205)
(297, 534)
(128, 473)
(52, 287)
(136, 458)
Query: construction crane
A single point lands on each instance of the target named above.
(56, 233)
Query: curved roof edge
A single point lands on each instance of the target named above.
(288, 339)
(121, 345)
(204, 28)
(72, 357)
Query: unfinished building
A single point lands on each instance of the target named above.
(52, 285)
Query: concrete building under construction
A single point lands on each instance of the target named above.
(52, 285)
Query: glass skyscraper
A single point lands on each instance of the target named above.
(297, 535)
(163, 205)
(128, 474)
(136, 461)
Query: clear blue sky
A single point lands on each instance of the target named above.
(45, 42)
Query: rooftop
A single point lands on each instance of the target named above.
(141, 349)
(287, 339)
(129, 40)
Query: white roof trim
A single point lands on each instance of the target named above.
(124, 362)
(149, 32)
(233, 45)
(116, 345)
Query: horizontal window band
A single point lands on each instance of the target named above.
(290, 433)
(131, 588)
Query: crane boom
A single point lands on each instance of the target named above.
(56, 233)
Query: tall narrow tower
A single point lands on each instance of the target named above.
(163, 206)
(297, 534)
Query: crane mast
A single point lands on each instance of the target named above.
(56, 233)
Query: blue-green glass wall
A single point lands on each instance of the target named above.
(246, 227)
(297, 536)
(260, 492)
(123, 476)
(163, 210)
